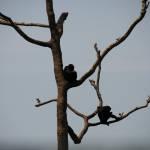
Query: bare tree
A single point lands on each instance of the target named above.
(56, 32)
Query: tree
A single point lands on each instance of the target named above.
(56, 32)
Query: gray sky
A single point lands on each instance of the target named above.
(26, 70)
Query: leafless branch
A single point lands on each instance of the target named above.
(84, 130)
(21, 33)
(88, 73)
(75, 111)
(39, 103)
(78, 138)
(96, 87)
(96, 48)
(4, 22)
(92, 115)
(98, 76)
(124, 115)
(73, 135)
(144, 6)
(99, 68)
(96, 84)
(60, 23)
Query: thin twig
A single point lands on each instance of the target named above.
(39, 103)
(99, 66)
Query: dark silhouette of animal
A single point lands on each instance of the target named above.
(69, 73)
(104, 113)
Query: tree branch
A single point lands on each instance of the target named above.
(24, 35)
(75, 111)
(96, 85)
(73, 135)
(144, 6)
(92, 115)
(60, 23)
(39, 103)
(88, 73)
(122, 115)
(4, 22)
(99, 68)
(62, 18)
(78, 138)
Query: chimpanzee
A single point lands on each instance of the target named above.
(69, 73)
(104, 113)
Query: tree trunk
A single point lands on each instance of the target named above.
(62, 133)
(62, 125)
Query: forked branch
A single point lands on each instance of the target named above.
(21, 33)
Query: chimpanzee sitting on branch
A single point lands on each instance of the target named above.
(69, 73)
(104, 113)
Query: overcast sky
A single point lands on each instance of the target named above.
(26, 70)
